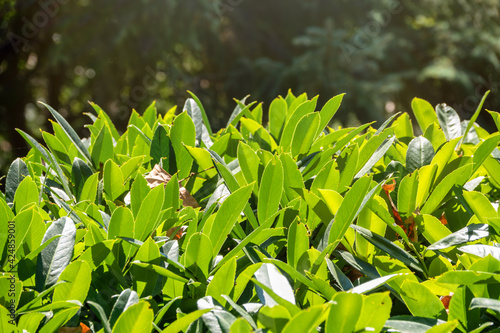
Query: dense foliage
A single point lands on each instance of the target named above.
(283, 226)
(123, 54)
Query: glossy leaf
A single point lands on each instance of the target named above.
(126, 299)
(470, 233)
(17, 172)
(57, 255)
(389, 248)
(449, 121)
(420, 153)
(70, 132)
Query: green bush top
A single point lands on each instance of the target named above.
(289, 226)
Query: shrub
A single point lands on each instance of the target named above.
(285, 227)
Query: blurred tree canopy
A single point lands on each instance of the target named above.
(123, 54)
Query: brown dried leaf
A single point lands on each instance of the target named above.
(159, 176)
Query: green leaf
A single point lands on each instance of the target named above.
(80, 172)
(202, 134)
(403, 128)
(26, 194)
(431, 228)
(59, 319)
(263, 229)
(420, 300)
(240, 325)
(375, 312)
(161, 271)
(241, 311)
(249, 163)
(6, 324)
(227, 217)
(481, 250)
(57, 255)
(269, 276)
(459, 309)
(470, 233)
(344, 313)
(78, 276)
(496, 118)
(239, 111)
(121, 223)
(161, 146)
(407, 195)
(131, 165)
(305, 134)
(183, 133)
(469, 278)
(352, 204)
(113, 180)
(435, 135)
(447, 327)
(388, 247)
(102, 148)
(449, 121)
(476, 114)
(232, 184)
(70, 132)
(136, 319)
(273, 318)
(307, 320)
(198, 255)
(29, 321)
(293, 120)
(29, 228)
(217, 319)
(89, 189)
(411, 324)
(372, 284)
(328, 111)
(101, 314)
(49, 158)
(149, 213)
(297, 235)
(424, 112)
(480, 205)
(420, 152)
(426, 176)
(259, 134)
(292, 179)
(150, 114)
(343, 281)
(374, 157)
(327, 178)
(270, 190)
(457, 177)
(484, 150)
(182, 323)
(126, 299)
(223, 281)
(203, 112)
(277, 117)
(17, 172)
(485, 303)
(347, 162)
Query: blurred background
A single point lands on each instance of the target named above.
(123, 54)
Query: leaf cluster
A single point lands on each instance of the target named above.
(289, 226)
